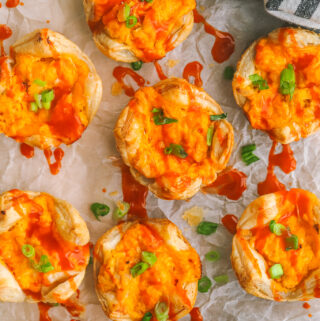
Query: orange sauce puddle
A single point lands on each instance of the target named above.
(223, 46)
(193, 69)
(230, 222)
(58, 155)
(12, 3)
(26, 150)
(195, 315)
(230, 183)
(287, 163)
(160, 72)
(121, 72)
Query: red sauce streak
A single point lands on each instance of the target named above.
(306, 305)
(120, 72)
(43, 310)
(104, 190)
(26, 150)
(5, 33)
(160, 72)
(135, 194)
(58, 155)
(12, 3)
(285, 160)
(195, 315)
(231, 183)
(230, 222)
(317, 288)
(193, 69)
(223, 46)
(74, 307)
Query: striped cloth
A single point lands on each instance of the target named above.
(300, 12)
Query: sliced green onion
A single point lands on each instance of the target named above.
(47, 95)
(246, 154)
(248, 148)
(287, 81)
(156, 110)
(136, 65)
(204, 284)
(228, 73)
(28, 250)
(252, 159)
(46, 105)
(40, 82)
(217, 117)
(209, 136)
(121, 210)
(91, 260)
(207, 228)
(99, 209)
(139, 269)
(276, 228)
(212, 256)
(176, 150)
(45, 264)
(147, 317)
(162, 311)
(221, 279)
(259, 82)
(149, 257)
(131, 21)
(292, 243)
(276, 271)
(33, 107)
(126, 11)
(160, 119)
(37, 98)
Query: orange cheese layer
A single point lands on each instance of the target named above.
(164, 281)
(269, 109)
(151, 37)
(295, 213)
(190, 131)
(37, 227)
(67, 117)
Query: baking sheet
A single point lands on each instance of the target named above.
(87, 167)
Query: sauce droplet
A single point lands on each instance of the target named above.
(230, 183)
(43, 310)
(58, 155)
(104, 190)
(135, 194)
(195, 315)
(160, 72)
(120, 72)
(193, 69)
(230, 222)
(26, 150)
(306, 305)
(5, 33)
(285, 160)
(223, 46)
(12, 3)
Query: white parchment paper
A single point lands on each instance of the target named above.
(87, 168)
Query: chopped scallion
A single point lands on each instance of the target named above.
(218, 117)
(212, 256)
(176, 150)
(204, 284)
(162, 311)
(99, 209)
(221, 279)
(276, 228)
(40, 82)
(28, 250)
(207, 228)
(139, 269)
(131, 21)
(209, 136)
(292, 243)
(121, 210)
(275, 271)
(149, 257)
(136, 65)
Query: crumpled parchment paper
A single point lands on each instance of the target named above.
(87, 168)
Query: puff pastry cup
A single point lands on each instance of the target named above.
(158, 27)
(172, 279)
(44, 248)
(285, 118)
(44, 65)
(259, 245)
(145, 146)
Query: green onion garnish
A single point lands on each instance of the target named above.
(276, 271)
(212, 256)
(121, 210)
(176, 150)
(28, 250)
(204, 284)
(37, 98)
(131, 21)
(209, 135)
(247, 154)
(149, 257)
(207, 228)
(33, 107)
(47, 95)
(99, 209)
(160, 119)
(276, 228)
(217, 117)
(91, 260)
(287, 81)
(126, 11)
(136, 65)
(46, 105)
(248, 148)
(162, 311)
(139, 269)
(221, 279)
(292, 243)
(43, 266)
(259, 82)
(228, 73)
(147, 317)
(40, 82)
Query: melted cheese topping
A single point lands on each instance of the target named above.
(164, 281)
(269, 109)
(296, 213)
(151, 38)
(37, 228)
(65, 74)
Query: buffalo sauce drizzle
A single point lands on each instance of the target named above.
(43, 311)
(193, 69)
(230, 222)
(5, 33)
(223, 46)
(26, 150)
(195, 315)
(58, 156)
(12, 3)
(287, 163)
(159, 70)
(121, 72)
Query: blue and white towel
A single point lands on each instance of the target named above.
(300, 12)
